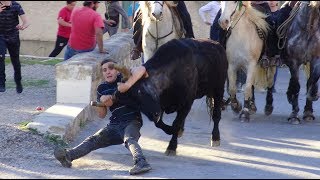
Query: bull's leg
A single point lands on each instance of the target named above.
(178, 126)
(216, 116)
(160, 124)
(293, 94)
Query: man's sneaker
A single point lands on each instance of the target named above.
(2, 88)
(61, 155)
(140, 167)
(19, 87)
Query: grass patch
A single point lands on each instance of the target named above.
(29, 61)
(41, 83)
(55, 139)
(23, 127)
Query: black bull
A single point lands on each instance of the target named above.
(180, 72)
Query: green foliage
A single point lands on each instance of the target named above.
(55, 139)
(28, 83)
(29, 61)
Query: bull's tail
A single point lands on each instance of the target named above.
(210, 105)
(264, 77)
(306, 69)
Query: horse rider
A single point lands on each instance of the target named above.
(137, 28)
(271, 55)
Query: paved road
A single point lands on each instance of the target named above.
(266, 147)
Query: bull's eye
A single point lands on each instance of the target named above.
(139, 91)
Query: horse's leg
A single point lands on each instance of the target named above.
(235, 104)
(293, 93)
(312, 87)
(178, 126)
(248, 102)
(268, 109)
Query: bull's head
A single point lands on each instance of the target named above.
(141, 95)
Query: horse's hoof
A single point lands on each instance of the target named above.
(170, 152)
(215, 143)
(268, 110)
(308, 116)
(294, 120)
(236, 107)
(246, 114)
(180, 133)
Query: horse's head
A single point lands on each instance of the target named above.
(155, 9)
(229, 11)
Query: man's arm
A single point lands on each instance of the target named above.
(25, 22)
(202, 12)
(63, 23)
(107, 101)
(136, 74)
(99, 36)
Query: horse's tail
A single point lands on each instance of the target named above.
(264, 77)
(306, 69)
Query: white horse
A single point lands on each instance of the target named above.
(160, 25)
(244, 47)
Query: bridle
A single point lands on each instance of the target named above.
(157, 38)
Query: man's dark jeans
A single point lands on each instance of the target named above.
(61, 42)
(12, 43)
(113, 134)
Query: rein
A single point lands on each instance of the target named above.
(232, 27)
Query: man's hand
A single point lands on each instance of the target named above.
(110, 22)
(21, 27)
(2, 8)
(125, 30)
(123, 87)
(207, 23)
(103, 51)
(106, 100)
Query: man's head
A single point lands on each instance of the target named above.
(91, 4)
(71, 4)
(110, 74)
(273, 4)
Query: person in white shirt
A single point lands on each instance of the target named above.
(212, 8)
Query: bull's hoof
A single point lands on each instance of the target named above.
(236, 107)
(308, 116)
(294, 120)
(245, 112)
(268, 109)
(170, 152)
(215, 143)
(180, 133)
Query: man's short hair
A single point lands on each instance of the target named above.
(108, 60)
(69, 2)
(88, 3)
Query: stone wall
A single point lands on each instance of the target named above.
(39, 38)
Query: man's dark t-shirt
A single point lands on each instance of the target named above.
(9, 19)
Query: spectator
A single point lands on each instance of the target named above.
(131, 11)
(212, 8)
(113, 10)
(86, 31)
(125, 124)
(64, 29)
(10, 11)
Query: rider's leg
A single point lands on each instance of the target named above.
(186, 19)
(137, 36)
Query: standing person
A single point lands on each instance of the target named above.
(113, 10)
(64, 29)
(86, 31)
(10, 11)
(212, 8)
(124, 127)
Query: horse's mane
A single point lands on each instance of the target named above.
(313, 22)
(144, 10)
(257, 17)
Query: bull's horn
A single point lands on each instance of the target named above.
(123, 70)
